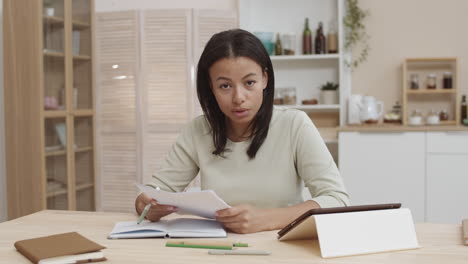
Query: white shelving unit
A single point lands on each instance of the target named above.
(317, 107)
(307, 73)
(305, 57)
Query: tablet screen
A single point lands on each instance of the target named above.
(333, 210)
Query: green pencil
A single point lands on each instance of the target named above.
(197, 246)
(143, 214)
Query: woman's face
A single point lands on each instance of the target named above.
(238, 85)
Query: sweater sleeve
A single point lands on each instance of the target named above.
(180, 166)
(316, 166)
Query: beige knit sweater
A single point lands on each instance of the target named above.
(292, 155)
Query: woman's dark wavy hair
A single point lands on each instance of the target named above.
(231, 44)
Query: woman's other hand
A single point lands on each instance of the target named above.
(244, 219)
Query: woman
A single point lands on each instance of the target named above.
(256, 157)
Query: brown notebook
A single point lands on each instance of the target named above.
(69, 247)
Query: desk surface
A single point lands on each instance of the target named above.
(442, 243)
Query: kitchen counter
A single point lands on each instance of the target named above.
(399, 128)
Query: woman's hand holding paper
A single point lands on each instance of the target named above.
(157, 211)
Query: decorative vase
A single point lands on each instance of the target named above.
(329, 97)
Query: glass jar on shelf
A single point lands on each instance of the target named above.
(289, 43)
(443, 115)
(332, 39)
(278, 98)
(431, 81)
(447, 82)
(415, 119)
(414, 81)
(289, 95)
(433, 118)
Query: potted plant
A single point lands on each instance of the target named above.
(329, 93)
(356, 38)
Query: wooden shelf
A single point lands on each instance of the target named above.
(63, 191)
(82, 57)
(448, 123)
(435, 91)
(80, 25)
(84, 186)
(429, 60)
(53, 73)
(426, 100)
(53, 20)
(55, 113)
(83, 149)
(54, 54)
(385, 128)
(63, 151)
(305, 57)
(83, 112)
(55, 153)
(56, 193)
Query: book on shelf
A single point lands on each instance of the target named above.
(76, 42)
(61, 133)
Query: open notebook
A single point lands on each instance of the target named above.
(180, 227)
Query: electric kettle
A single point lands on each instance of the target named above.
(370, 110)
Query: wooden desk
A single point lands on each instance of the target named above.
(441, 243)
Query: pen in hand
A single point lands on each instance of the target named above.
(143, 214)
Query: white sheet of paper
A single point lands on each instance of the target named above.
(202, 203)
(73, 258)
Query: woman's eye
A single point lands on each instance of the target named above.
(224, 86)
(250, 83)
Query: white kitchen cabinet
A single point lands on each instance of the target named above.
(447, 188)
(450, 142)
(447, 177)
(384, 168)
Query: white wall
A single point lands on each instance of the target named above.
(119, 5)
(3, 202)
(416, 28)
